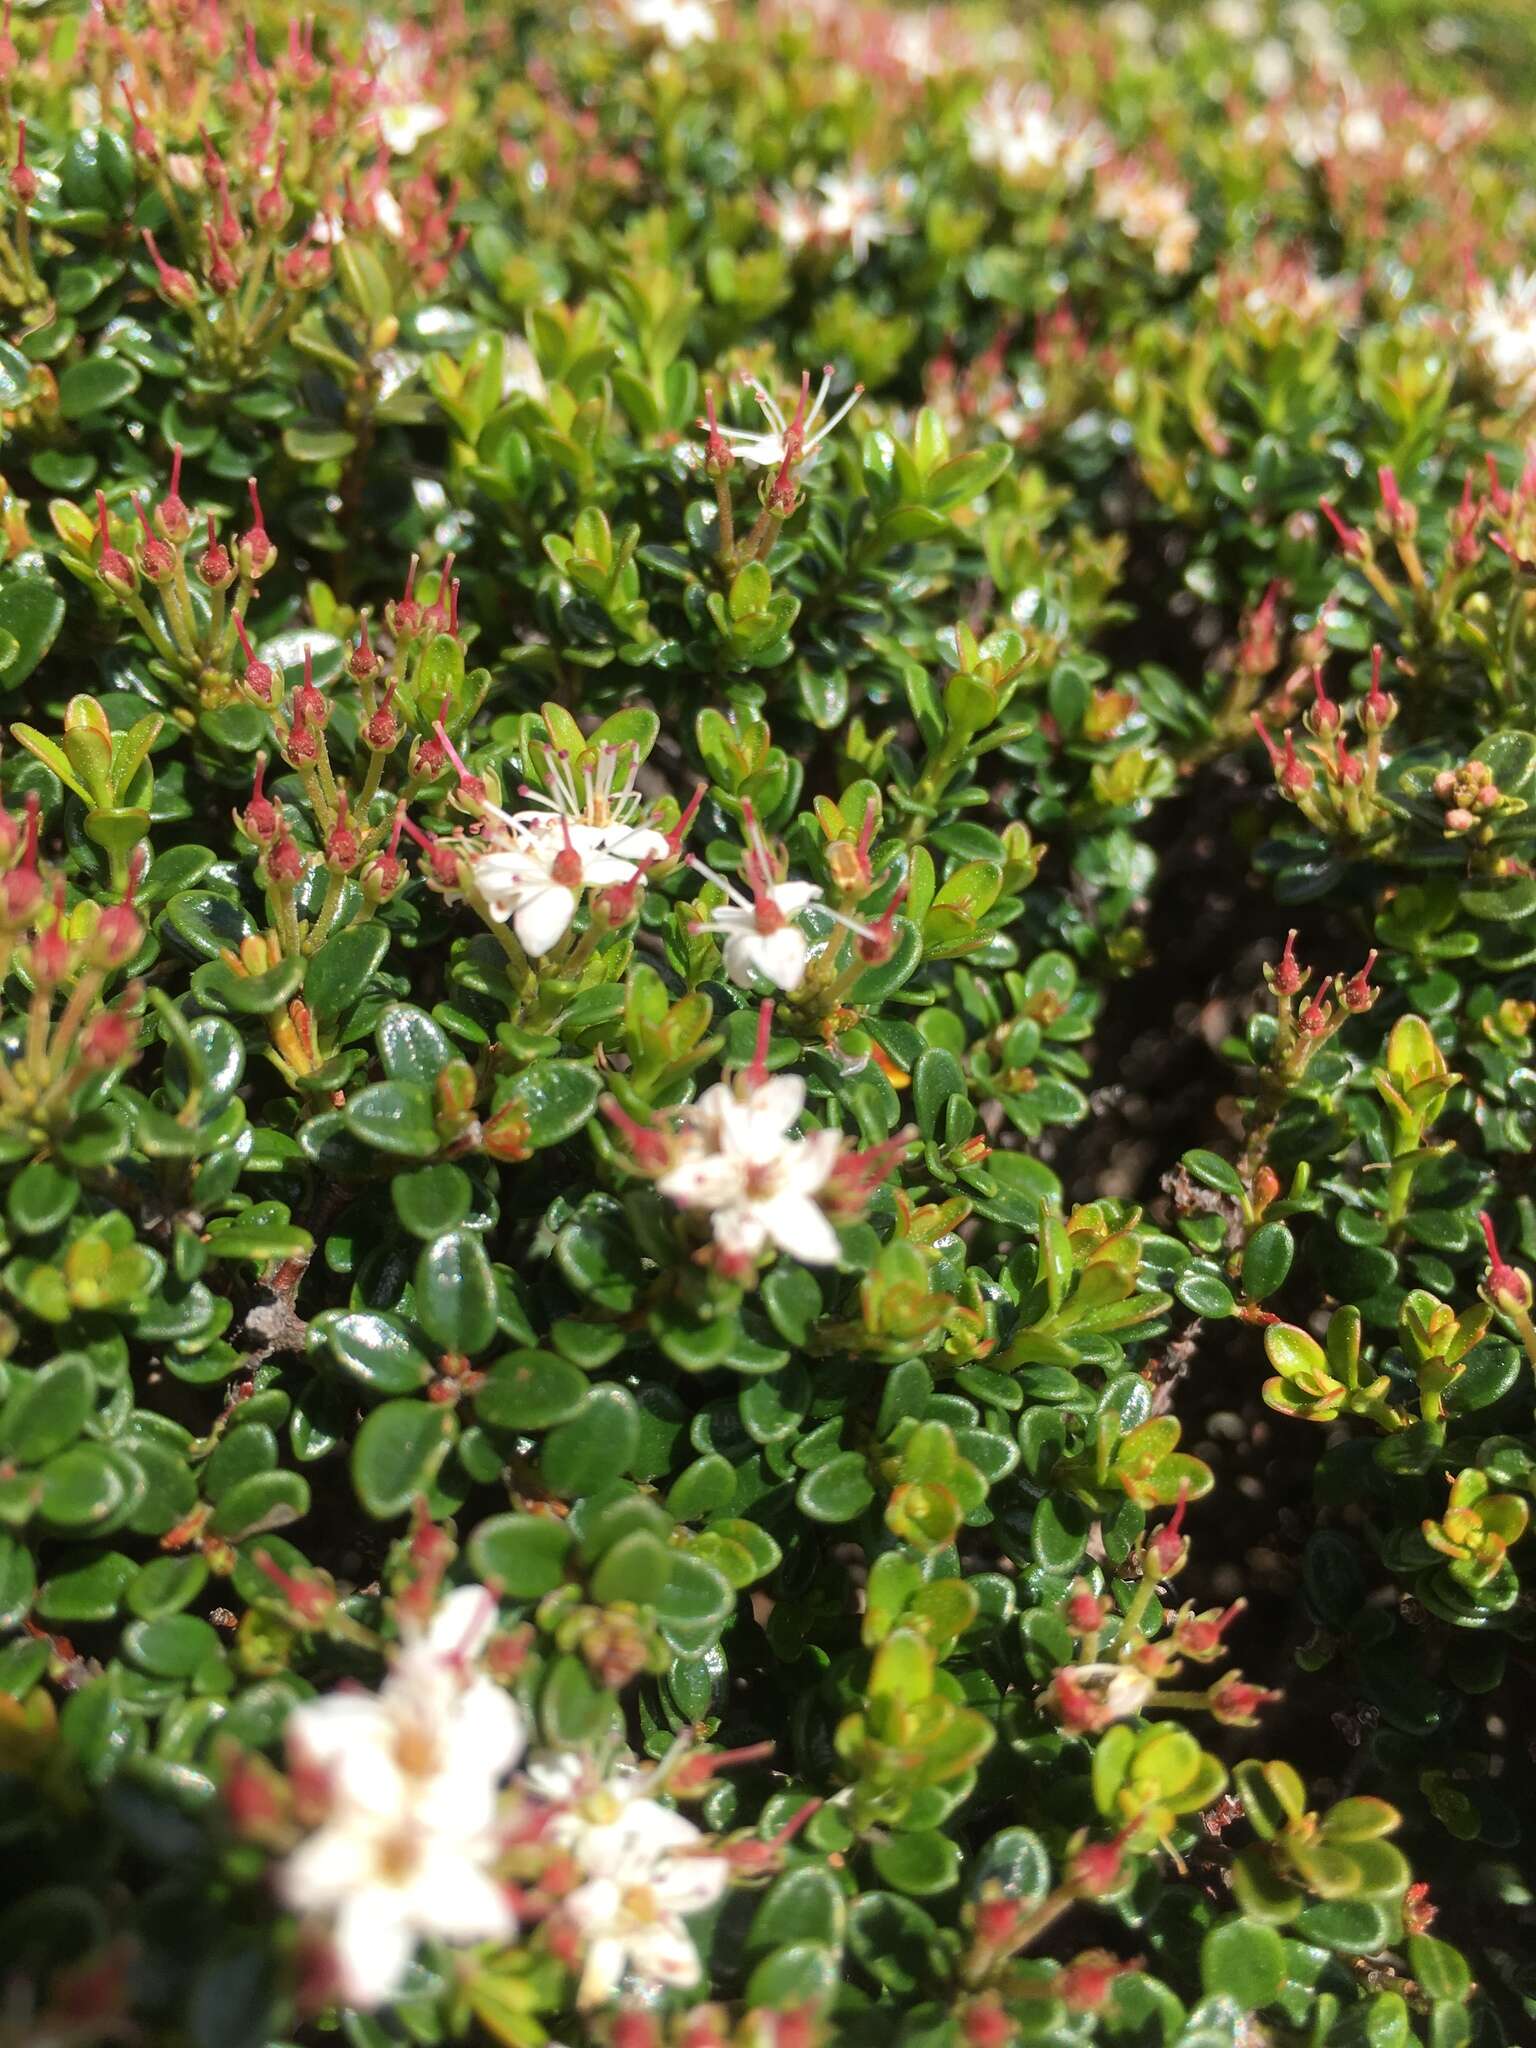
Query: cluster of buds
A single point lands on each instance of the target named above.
(146, 563)
(1333, 787)
(1123, 1670)
(1468, 793)
(784, 447)
(304, 163)
(730, 1159)
(1434, 599)
(1306, 1026)
(67, 957)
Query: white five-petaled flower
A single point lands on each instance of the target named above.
(645, 1868)
(796, 439)
(407, 1780)
(677, 22)
(758, 1185)
(534, 868)
(761, 936)
(1501, 326)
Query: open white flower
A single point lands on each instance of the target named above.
(408, 1780)
(636, 1927)
(757, 1185)
(534, 872)
(1501, 327)
(1152, 211)
(386, 1880)
(609, 804)
(645, 1868)
(761, 937)
(402, 64)
(797, 438)
(438, 1734)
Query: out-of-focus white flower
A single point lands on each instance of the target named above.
(798, 438)
(385, 1881)
(857, 209)
(676, 22)
(407, 1780)
(792, 216)
(635, 1926)
(402, 61)
(645, 1869)
(756, 1183)
(1501, 327)
(1019, 133)
(1153, 211)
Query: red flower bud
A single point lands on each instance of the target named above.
(176, 287)
(23, 177)
(258, 677)
(172, 514)
(112, 565)
(214, 568)
(1509, 1288)
(257, 554)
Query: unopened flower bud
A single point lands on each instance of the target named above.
(362, 663)
(1286, 977)
(157, 558)
(1235, 1703)
(23, 178)
(173, 515)
(256, 551)
(284, 862)
(261, 819)
(1507, 1287)
(258, 677)
(1350, 538)
(1356, 994)
(112, 565)
(176, 287)
(342, 852)
(1400, 518)
(402, 615)
(214, 568)
(109, 1039)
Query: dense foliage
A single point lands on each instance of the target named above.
(764, 1134)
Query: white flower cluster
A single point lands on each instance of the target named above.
(737, 1163)
(410, 1782)
(1501, 327)
(851, 207)
(1019, 133)
(1150, 210)
(643, 1867)
(534, 868)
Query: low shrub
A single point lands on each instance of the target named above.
(765, 1131)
